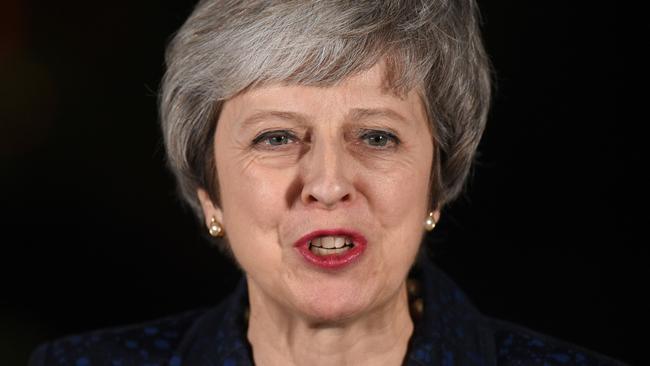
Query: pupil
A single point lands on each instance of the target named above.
(378, 140)
(277, 140)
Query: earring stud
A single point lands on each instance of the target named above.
(429, 223)
(215, 228)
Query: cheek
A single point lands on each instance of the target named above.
(254, 202)
(400, 210)
(401, 215)
(400, 196)
(252, 207)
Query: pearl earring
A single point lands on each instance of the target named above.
(429, 223)
(215, 228)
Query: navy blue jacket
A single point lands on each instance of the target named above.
(449, 331)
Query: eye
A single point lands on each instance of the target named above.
(274, 138)
(380, 138)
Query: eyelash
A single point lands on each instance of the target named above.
(364, 134)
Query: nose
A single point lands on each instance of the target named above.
(327, 176)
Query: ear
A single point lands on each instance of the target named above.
(208, 207)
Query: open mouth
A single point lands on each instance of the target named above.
(330, 244)
(332, 249)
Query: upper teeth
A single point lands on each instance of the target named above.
(331, 242)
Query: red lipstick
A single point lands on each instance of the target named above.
(332, 261)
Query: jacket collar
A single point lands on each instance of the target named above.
(450, 331)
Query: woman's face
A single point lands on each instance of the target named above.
(293, 160)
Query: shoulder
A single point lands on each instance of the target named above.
(517, 345)
(453, 328)
(153, 342)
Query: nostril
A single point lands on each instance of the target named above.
(327, 192)
(328, 203)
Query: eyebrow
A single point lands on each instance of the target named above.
(262, 115)
(370, 113)
(355, 114)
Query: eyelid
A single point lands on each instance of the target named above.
(361, 133)
(390, 134)
(266, 134)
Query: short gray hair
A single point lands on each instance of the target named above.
(228, 46)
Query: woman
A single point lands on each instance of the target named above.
(318, 142)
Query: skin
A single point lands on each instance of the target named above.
(327, 174)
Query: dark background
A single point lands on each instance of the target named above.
(93, 236)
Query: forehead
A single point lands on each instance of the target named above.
(366, 94)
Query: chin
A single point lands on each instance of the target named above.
(332, 315)
(332, 305)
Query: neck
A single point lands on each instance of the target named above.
(278, 337)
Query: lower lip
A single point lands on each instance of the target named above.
(333, 261)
